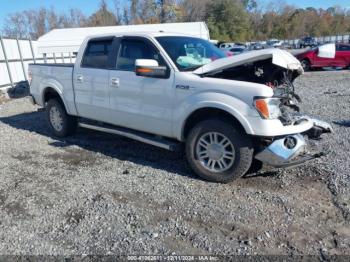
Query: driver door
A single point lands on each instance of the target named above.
(136, 102)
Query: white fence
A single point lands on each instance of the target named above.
(17, 54)
(324, 39)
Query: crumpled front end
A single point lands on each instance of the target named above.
(280, 129)
(292, 150)
(283, 151)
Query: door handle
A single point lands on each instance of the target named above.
(115, 82)
(80, 78)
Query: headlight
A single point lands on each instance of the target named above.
(268, 108)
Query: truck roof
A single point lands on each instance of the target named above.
(143, 34)
(70, 39)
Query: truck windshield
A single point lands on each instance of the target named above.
(189, 53)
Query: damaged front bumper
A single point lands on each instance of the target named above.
(292, 150)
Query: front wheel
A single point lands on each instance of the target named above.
(218, 152)
(61, 124)
(306, 65)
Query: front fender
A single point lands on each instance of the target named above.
(234, 106)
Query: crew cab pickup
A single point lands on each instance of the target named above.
(230, 113)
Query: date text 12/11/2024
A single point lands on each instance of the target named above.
(173, 258)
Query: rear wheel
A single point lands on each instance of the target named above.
(218, 152)
(61, 124)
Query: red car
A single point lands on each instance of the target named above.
(312, 60)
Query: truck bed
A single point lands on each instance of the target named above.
(57, 64)
(58, 76)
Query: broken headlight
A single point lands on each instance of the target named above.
(268, 108)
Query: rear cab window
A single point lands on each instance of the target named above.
(98, 54)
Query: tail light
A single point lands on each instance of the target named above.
(30, 77)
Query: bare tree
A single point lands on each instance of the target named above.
(227, 19)
(15, 26)
(117, 12)
(126, 16)
(192, 10)
(35, 23)
(76, 18)
(167, 10)
(133, 10)
(102, 17)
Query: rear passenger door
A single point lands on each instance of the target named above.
(91, 79)
(321, 61)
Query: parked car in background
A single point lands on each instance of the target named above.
(243, 45)
(274, 43)
(237, 50)
(286, 45)
(226, 45)
(329, 55)
(256, 46)
(308, 42)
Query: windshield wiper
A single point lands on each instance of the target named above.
(192, 68)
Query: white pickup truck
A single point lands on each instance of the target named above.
(231, 113)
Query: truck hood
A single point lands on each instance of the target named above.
(279, 57)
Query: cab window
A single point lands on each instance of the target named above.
(132, 49)
(97, 54)
(343, 47)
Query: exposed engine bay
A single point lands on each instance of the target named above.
(281, 80)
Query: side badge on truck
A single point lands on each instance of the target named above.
(184, 87)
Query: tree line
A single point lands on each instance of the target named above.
(227, 20)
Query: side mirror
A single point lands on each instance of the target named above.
(150, 68)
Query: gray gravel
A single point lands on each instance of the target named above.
(101, 194)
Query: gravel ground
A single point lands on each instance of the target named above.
(101, 194)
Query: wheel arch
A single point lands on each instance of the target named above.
(50, 92)
(306, 59)
(208, 112)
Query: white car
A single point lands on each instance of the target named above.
(231, 113)
(226, 46)
(275, 43)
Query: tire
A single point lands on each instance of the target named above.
(306, 65)
(227, 167)
(60, 123)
